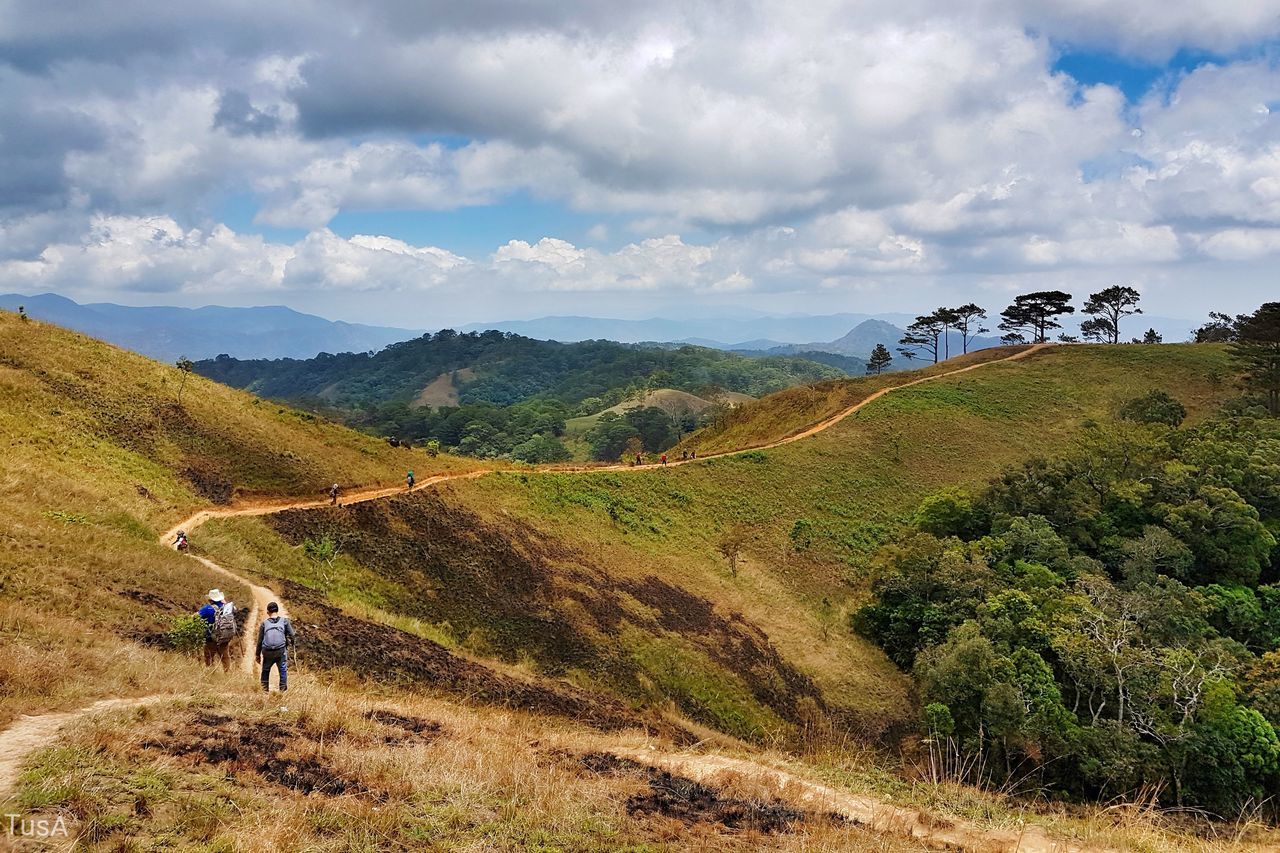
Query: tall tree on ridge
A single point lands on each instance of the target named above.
(968, 321)
(1257, 350)
(1108, 307)
(879, 360)
(948, 318)
(922, 337)
(1035, 313)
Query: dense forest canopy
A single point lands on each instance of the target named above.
(513, 394)
(1104, 621)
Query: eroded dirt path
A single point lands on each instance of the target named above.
(31, 733)
(261, 598)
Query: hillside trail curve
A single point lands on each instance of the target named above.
(31, 733)
(272, 506)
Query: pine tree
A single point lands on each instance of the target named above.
(1108, 307)
(1035, 313)
(968, 320)
(922, 337)
(1257, 350)
(879, 360)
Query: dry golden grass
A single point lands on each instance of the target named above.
(476, 779)
(96, 459)
(487, 780)
(82, 584)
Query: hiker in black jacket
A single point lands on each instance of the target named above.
(275, 635)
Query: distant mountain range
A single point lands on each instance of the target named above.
(846, 334)
(270, 332)
(720, 333)
(166, 333)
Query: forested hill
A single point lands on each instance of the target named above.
(503, 369)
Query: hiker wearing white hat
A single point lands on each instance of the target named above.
(219, 617)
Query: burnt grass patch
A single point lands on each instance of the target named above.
(267, 748)
(403, 728)
(528, 594)
(330, 639)
(680, 798)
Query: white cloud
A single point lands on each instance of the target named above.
(807, 146)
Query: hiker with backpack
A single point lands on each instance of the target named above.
(408, 481)
(219, 616)
(180, 541)
(333, 494)
(275, 635)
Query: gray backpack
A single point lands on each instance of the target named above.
(273, 635)
(224, 624)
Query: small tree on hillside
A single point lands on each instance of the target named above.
(1257, 351)
(1035, 314)
(185, 367)
(731, 544)
(1152, 337)
(1108, 307)
(968, 320)
(879, 360)
(921, 338)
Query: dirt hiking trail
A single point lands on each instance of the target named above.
(269, 506)
(31, 733)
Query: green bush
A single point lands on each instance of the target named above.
(186, 632)
(1156, 407)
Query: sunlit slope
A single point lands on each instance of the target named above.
(786, 413)
(96, 459)
(810, 513)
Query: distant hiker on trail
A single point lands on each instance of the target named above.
(219, 617)
(180, 541)
(664, 459)
(408, 480)
(693, 454)
(275, 635)
(684, 455)
(639, 459)
(333, 495)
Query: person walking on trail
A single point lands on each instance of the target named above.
(408, 480)
(180, 541)
(664, 459)
(639, 459)
(275, 635)
(333, 494)
(219, 617)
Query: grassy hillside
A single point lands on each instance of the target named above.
(787, 412)
(469, 654)
(619, 580)
(99, 458)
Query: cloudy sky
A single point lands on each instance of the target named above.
(427, 163)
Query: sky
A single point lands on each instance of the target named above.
(421, 163)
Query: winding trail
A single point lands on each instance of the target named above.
(269, 507)
(30, 733)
